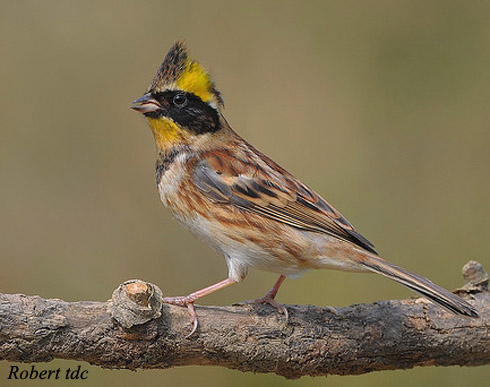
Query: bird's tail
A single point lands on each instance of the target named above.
(421, 285)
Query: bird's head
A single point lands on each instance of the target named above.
(182, 102)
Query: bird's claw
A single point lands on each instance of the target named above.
(194, 320)
(188, 302)
(267, 299)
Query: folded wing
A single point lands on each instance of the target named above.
(258, 185)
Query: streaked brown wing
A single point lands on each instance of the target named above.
(258, 185)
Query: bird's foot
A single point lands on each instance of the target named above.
(188, 302)
(267, 299)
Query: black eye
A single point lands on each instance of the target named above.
(180, 100)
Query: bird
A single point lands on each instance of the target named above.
(241, 202)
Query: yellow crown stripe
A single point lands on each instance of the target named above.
(195, 79)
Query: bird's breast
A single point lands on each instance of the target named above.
(170, 171)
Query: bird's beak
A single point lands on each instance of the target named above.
(146, 104)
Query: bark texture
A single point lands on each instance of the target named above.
(134, 330)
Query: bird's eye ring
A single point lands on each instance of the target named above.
(180, 100)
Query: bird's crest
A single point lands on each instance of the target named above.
(179, 72)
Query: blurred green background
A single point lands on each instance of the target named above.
(380, 106)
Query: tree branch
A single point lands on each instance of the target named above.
(134, 330)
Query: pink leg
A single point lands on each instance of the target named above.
(269, 298)
(273, 292)
(191, 298)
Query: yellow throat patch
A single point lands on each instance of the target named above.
(165, 131)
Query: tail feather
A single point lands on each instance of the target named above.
(421, 285)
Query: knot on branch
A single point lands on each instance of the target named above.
(136, 302)
(476, 278)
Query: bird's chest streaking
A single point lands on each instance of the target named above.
(189, 207)
(169, 171)
(176, 190)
